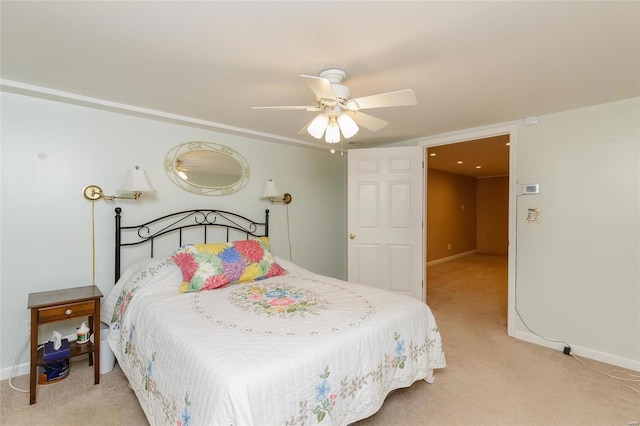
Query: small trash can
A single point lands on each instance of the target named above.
(107, 358)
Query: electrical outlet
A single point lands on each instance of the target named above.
(27, 327)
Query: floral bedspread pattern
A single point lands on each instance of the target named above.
(283, 300)
(294, 349)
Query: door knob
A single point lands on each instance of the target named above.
(352, 236)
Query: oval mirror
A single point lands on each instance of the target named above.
(207, 168)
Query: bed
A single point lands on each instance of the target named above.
(292, 348)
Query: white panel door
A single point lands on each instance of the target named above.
(385, 216)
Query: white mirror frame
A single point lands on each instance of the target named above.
(175, 153)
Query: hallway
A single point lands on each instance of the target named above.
(470, 291)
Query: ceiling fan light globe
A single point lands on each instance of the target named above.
(318, 125)
(348, 127)
(332, 138)
(332, 135)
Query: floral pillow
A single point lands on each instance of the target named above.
(209, 266)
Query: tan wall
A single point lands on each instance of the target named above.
(451, 214)
(492, 213)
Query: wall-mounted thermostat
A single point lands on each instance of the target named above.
(531, 188)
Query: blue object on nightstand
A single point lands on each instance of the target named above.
(54, 371)
(52, 355)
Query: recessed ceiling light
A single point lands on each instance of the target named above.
(459, 162)
(478, 167)
(433, 154)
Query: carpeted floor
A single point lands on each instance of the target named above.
(490, 379)
(74, 401)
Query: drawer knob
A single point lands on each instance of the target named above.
(68, 311)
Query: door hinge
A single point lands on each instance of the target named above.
(423, 284)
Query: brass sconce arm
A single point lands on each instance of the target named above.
(285, 199)
(95, 193)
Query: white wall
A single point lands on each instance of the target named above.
(51, 150)
(577, 275)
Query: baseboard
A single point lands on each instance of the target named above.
(630, 364)
(21, 369)
(446, 259)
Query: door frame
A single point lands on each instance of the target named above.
(466, 136)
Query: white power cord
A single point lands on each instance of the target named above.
(13, 367)
(612, 375)
(289, 233)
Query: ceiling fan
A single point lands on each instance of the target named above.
(181, 168)
(338, 112)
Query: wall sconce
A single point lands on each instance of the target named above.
(272, 193)
(135, 184)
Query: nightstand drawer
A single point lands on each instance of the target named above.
(71, 310)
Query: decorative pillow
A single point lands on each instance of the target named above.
(209, 266)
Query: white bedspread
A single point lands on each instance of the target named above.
(295, 349)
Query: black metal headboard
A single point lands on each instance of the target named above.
(177, 223)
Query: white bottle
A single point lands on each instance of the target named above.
(83, 334)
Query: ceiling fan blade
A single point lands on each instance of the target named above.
(321, 87)
(383, 100)
(367, 121)
(291, 108)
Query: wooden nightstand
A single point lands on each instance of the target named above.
(59, 305)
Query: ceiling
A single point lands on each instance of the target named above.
(207, 63)
(487, 157)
